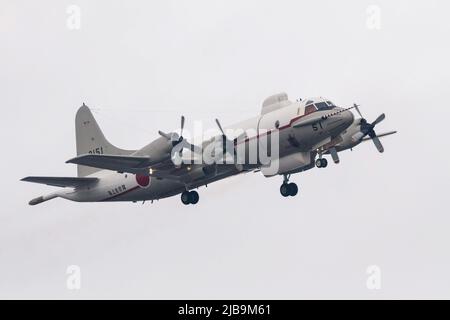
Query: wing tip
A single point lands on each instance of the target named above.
(41, 199)
(73, 160)
(36, 201)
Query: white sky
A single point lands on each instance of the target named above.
(144, 63)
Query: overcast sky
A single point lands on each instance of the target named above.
(141, 64)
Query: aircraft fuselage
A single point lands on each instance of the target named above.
(114, 186)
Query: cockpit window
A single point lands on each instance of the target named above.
(322, 106)
(310, 109)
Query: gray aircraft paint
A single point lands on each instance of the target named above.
(295, 139)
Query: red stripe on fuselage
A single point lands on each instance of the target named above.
(246, 140)
(270, 131)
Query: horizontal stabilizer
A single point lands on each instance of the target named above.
(61, 181)
(129, 164)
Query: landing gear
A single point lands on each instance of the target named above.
(321, 163)
(284, 189)
(189, 197)
(293, 189)
(185, 198)
(194, 197)
(288, 189)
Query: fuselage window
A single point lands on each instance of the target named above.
(277, 124)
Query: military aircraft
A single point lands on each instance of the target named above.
(285, 138)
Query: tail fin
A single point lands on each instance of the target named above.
(90, 140)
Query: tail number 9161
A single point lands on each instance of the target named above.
(96, 151)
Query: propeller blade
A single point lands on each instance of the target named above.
(357, 109)
(165, 135)
(377, 144)
(220, 127)
(182, 126)
(380, 118)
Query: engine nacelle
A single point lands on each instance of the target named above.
(292, 162)
(158, 150)
(350, 138)
(202, 172)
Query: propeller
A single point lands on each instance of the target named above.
(220, 127)
(356, 106)
(368, 129)
(176, 139)
(224, 137)
(173, 137)
(226, 142)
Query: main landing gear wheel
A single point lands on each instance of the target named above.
(321, 163)
(189, 197)
(293, 189)
(288, 189)
(194, 197)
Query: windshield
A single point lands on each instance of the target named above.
(331, 104)
(323, 106)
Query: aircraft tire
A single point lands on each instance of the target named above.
(186, 198)
(285, 190)
(293, 189)
(193, 197)
(319, 163)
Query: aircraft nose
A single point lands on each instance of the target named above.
(348, 117)
(339, 121)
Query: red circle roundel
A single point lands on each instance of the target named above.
(143, 180)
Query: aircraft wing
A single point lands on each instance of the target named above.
(131, 164)
(61, 181)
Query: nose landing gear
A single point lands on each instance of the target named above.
(288, 189)
(189, 197)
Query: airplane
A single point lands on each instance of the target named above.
(294, 135)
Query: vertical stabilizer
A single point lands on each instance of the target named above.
(90, 140)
